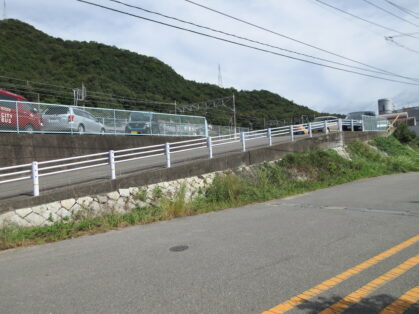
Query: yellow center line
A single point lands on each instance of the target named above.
(362, 292)
(403, 303)
(330, 283)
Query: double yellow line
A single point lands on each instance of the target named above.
(356, 296)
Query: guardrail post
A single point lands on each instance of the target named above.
(310, 129)
(292, 132)
(112, 164)
(168, 162)
(352, 125)
(326, 131)
(340, 125)
(270, 136)
(209, 143)
(243, 140)
(35, 178)
(17, 117)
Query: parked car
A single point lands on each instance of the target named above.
(68, 119)
(16, 115)
(331, 127)
(300, 129)
(358, 117)
(141, 123)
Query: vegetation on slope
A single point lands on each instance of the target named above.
(296, 173)
(32, 55)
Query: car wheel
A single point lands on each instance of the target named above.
(29, 128)
(80, 129)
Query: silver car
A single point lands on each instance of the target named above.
(71, 120)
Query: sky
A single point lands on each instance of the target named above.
(197, 58)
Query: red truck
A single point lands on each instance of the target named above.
(26, 119)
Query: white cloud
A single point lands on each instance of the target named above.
(197, 58)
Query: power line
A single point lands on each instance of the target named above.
(40, 83)
(207, 104)
(242, 38)
(405, 10)
(290, 38)
(92, 94)
(402, 35)
(365, 20)
(389, 12)
(391, 40)
(243, 45)
(254, 41)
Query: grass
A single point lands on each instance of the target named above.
(296, 173)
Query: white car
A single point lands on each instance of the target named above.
(65, 119)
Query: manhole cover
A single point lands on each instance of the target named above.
(179, 248)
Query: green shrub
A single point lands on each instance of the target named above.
(404, 134)
(226, 189)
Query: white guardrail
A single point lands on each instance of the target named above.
(35, 170)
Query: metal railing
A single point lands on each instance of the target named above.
(216, 130)
(31, 117)
(111, 159)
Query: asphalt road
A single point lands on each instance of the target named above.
(243, 260)
(67, 179)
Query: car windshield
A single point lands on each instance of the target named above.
(56, 110)
(6, 97)
(140, 116)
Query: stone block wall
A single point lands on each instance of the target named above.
(120, 201)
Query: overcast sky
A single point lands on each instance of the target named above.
(197, 58)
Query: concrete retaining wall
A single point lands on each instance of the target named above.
(18, 149)
(186, 169)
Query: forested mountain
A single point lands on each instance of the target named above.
(33, 56)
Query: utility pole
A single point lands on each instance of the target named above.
(4, 10)
(220, 78)
(75, 96)
(234, 115)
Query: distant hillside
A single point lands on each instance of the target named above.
(33, 55)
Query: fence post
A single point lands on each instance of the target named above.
(35, 178)
(340, 125)
(114, 122)
(270, 136)
(243, 140)
(17, 117)
(292, 132)
(168, 162)
(352, 125)
(310, 129)
(206, 128)
(362, 125)
(112, 164)
(326, 131)
(209, 143)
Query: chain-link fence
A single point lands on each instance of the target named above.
(18, 116)
(374, 124)
(217, 130)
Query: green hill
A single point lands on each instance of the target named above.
(30, 54)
